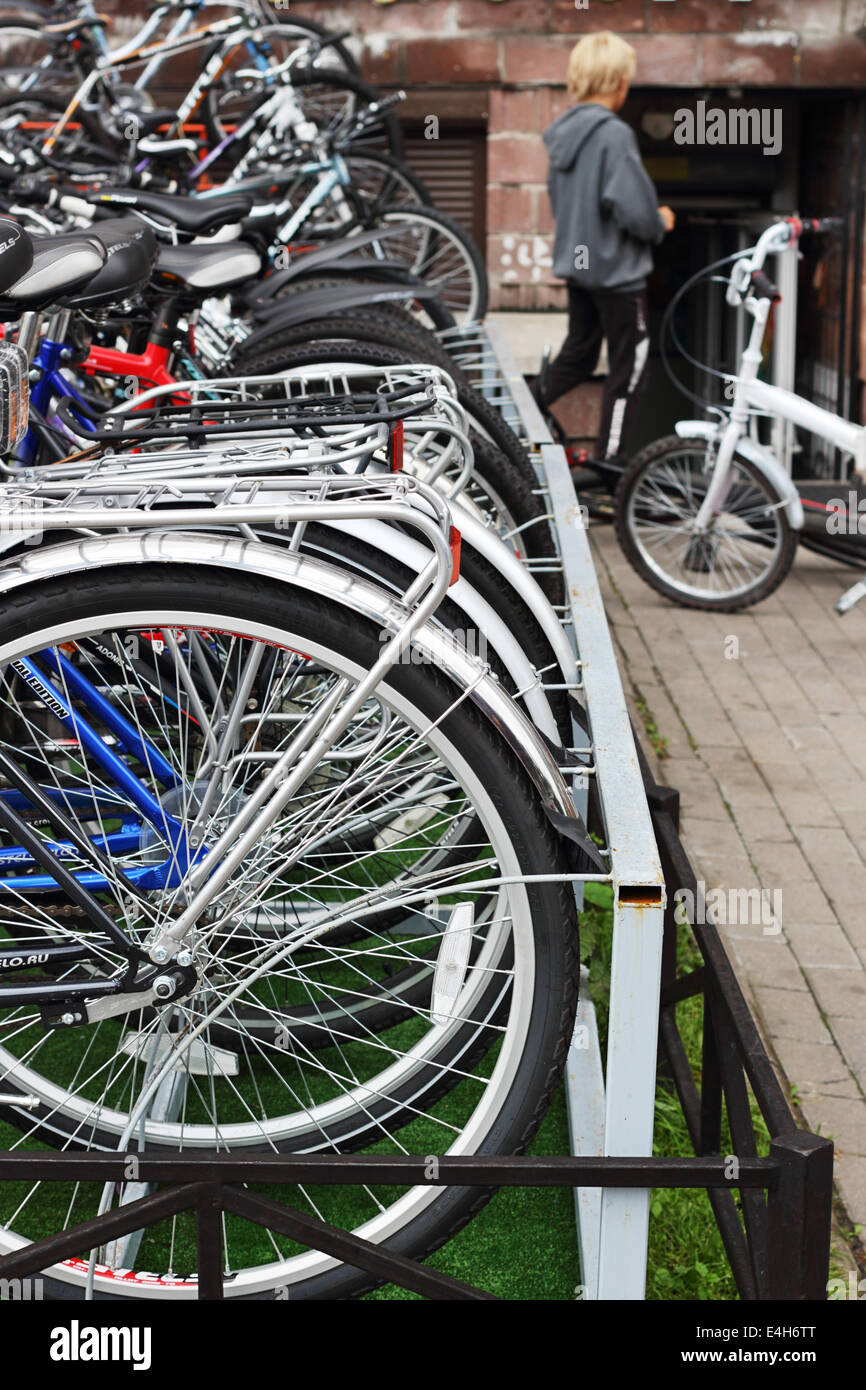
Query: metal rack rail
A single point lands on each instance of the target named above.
(613, 1116)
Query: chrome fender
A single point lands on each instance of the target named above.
(763, 459)
(268, 562)
(478, 611)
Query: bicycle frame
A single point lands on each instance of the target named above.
(185, 42)
(150, 368)
(751, 394)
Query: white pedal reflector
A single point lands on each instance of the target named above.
(450, 972)
(401, 827)
(199, 1059)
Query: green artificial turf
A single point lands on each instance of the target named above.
(523, 1244)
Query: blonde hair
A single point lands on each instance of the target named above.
(598, 63)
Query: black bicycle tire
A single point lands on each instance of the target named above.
(311, 77)
(515, 473)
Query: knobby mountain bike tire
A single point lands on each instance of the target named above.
(741, 559)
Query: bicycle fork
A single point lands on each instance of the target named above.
(720, 482)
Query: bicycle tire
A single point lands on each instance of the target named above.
(360, 92)
(701, 560)
(514, 481)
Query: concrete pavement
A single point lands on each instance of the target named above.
(763, 714)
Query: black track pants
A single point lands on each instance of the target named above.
(621, 318)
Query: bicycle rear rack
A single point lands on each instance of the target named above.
(777, 1244)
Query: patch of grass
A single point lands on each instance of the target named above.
(657, 740)
(523, 1245)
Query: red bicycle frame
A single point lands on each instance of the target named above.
(150, 368)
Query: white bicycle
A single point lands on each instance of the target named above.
(709, 517)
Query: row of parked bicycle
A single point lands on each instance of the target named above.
(287, 837)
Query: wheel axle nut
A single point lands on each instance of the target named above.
(163, 986)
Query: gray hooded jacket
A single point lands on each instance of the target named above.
(604, 202)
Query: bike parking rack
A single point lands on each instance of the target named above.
(773, 1212)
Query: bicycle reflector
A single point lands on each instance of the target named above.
(396, 441)
(14, 396)
(455, 540)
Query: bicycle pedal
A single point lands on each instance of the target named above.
(851, 597)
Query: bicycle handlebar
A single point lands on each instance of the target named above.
(763, 286)
(369, 116)
(747, 270)
(820, 224)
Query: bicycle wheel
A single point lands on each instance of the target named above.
(377, 178)
(26, 118)
(334, 51)
(742, 557)
(400, 334)
(26, 52)
(434, 248)
(478, 1080)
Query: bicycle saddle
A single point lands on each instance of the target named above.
(206, 270)
(131, 249)
(60, 265)
(194, 216)
(16, 252)
(150, 121)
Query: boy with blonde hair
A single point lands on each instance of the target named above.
(607, 221)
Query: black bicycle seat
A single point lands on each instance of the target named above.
(206, 270)
(60, 265)
(194, 216)
(131, 251)
(149, 122)
(16, 252)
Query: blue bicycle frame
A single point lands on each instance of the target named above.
(49, 386)
(57, 698)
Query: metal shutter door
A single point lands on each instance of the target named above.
(454, 169)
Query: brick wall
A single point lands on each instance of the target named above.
(503, 61)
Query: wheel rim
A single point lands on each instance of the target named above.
(739, 551)
(519, 941)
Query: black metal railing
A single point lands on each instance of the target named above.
(777, 1235)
